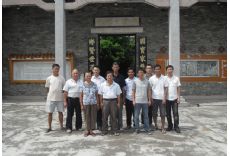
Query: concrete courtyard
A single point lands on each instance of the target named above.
(203, 132)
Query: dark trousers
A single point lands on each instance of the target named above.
(129, 112)
(99, 118)
(150, 115)
(119, 113)
(172, 105)
(73, 105)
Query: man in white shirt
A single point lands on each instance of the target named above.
(72, 91)
(110, 102)
(141, 100)
(54, 85)
(129, 100)
(98, 80)
(159, 87)
(173, 99)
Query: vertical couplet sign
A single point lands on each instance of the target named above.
(142, 52)
(91, 52)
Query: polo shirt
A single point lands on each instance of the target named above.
(98, 80)
(73, 88)
(109, 91)
(55, 85)
(173, 84)
(158, 85)
(141, 88)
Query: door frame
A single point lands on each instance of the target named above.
(132, 34)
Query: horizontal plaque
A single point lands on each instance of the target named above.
(117, 21)
(38, 70)
(117, 30)
(198, 68)
(35, 68)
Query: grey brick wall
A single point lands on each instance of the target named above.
(31, 30)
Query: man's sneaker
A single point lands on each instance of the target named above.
(116, 134)
(148, 132)
(177, 130)
(99, 128)
(62, 129)
(168, 129)
(151, 128)
(79, 129)
(121, 129)
(104, 133)
(137, 131)
(68, 131)
(48, 130)
(128, 127)
(163, 131)
(156, 128)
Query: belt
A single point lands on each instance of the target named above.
(73, 97)
(110, 99)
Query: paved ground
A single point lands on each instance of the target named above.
(203, 133)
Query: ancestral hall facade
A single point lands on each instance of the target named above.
(189, 34)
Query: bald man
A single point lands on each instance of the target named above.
(72, 92)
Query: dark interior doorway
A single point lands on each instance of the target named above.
(117, 48)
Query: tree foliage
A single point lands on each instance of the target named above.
(119, 49)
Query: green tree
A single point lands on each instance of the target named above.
(117, 48)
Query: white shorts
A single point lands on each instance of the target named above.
(51, 105)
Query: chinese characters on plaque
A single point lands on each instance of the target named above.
(142, 52)
(91, 53)
(199, 68)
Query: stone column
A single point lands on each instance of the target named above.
(60, 36)
(174, 36)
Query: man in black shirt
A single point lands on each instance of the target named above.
(118, 78)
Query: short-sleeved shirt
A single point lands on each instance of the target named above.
(173, 84)
(55, 85)
(119, 79)
(158, 85)
(141, 88)
(110, 91)
(129, 88)
(148, 76)
(89, 93)
(98, 80)
(73, 88)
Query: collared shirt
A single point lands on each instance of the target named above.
(158, 85)
(119, 79)
(89, 93)
(129, 88)
(98, 80)
(173, 84)
(110, 91)
(55, 85)
(148, 76)
(141, 88)
(73, 87)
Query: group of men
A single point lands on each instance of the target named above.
(146, 93)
